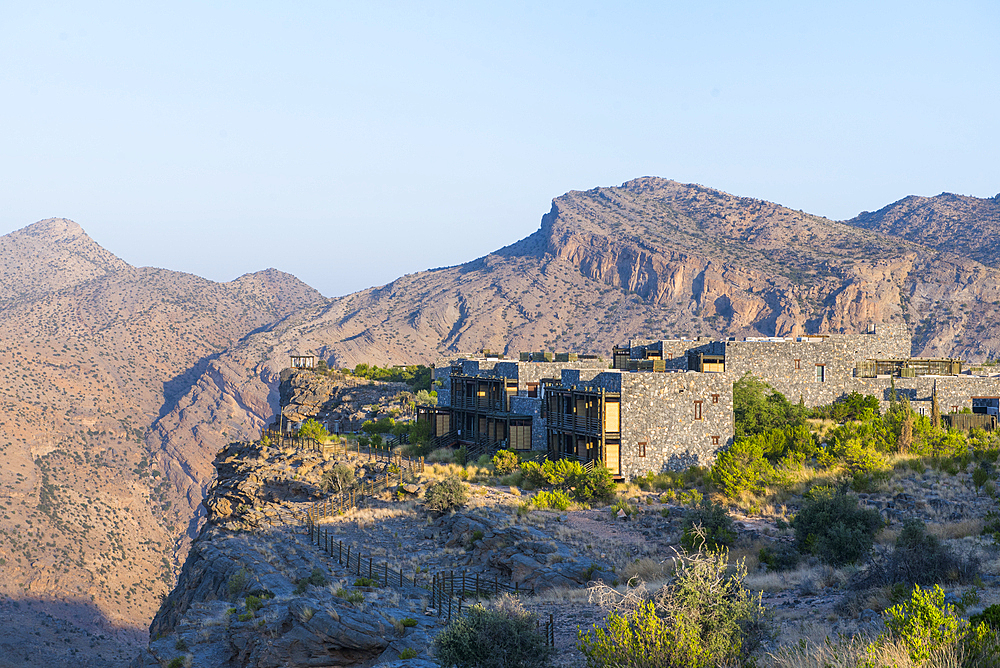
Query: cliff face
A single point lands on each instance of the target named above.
(254, 591)
(651, 258)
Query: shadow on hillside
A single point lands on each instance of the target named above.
(47, 632)
(178, 386)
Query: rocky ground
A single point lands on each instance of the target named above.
(255, 545)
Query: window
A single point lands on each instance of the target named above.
(697, 410)
(798, 364)
(532, 389)
(715, 398)
(715, 440)
(954, 409)
(642, 448)
(820, 373)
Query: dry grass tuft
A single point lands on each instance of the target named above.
(646, 570)
(952, 530)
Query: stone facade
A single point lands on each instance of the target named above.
(680, 417)
(669, 421)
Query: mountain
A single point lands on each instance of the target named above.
(966, 226)
(93, 350)
(651, 258)
(121, 383)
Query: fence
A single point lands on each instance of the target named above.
(448, 591)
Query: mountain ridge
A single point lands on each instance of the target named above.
(113, 368)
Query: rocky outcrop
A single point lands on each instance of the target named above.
(254, 591)
(341, 398)
(521, 554)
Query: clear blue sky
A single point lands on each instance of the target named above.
(353, 142)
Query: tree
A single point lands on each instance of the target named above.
(340, 477)
(905, 440)
(935, 409)
(757, 407)
(314, 430)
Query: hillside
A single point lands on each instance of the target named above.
(93, 351)
(652, 258)
(966, 226)
(121, 383)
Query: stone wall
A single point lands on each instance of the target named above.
(658, 410)
(531, 406)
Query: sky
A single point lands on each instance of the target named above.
(350, 143)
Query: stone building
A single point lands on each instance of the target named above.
(668, 404)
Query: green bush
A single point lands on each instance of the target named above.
(350, 596)
(924, 623)
(505, 462)
(555, 499)
(366, 582)
(595, 485)
(408, 653)
(780, 556)
(316, 578)
(446, 494)
(704, 618)
(408, 622)
(831, 526)
(990, 616)
(570, 476)
(504, 635)
(710, 524)
(339, 478)
(921, 558)
(314, 430)
(742, 467)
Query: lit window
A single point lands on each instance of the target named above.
(798, 364)
(697, 409)
(715, 398)
(642, 448)
(715, 440)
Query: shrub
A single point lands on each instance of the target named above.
(314, 430)
(925, 623)
(366, 582)
(595, 485)
(780, 556)
(704, 617)
(409, 652)
(921, 558)
(742, 467)
(709, 524)
(340, 477)
(504, 635)
(624, 506)
(555, 499)
(990, 616)
(505, 462)
(570, 476)
(446, 494)
(833, 527)
(238, 581)
(316, 578)
(408, 622)
(350, 596)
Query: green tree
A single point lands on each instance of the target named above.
(757, 408)
(314, 430)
